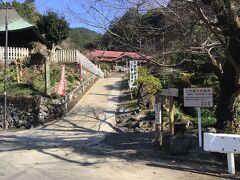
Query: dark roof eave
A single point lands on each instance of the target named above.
(41, 38)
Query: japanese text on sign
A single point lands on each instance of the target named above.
(198, 97)
(158, 113)
(133, 73)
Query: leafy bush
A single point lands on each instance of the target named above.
(151, 83)
(234, 126)
(105, 67)
(70, 78)
(54, 95)
(55, 74)
(208, 118)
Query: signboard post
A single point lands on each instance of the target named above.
(158, 118)
(198, 97)
(199, 126)
(170, 92)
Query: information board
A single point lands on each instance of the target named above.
(198, 97)
(133, 73)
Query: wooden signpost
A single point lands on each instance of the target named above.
(171, 92)
(158, 118)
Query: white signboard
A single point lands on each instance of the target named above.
(198, 97)
(169, 92)
(133, 73)
(222, 143)
(158, 113)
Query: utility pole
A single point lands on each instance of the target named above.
(5, 67)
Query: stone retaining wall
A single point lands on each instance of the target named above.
(27, 112)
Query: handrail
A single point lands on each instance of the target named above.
(81, 85)
(66, 97)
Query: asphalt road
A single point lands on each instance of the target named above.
(70, 148)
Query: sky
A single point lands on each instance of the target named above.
(80, 13)
(95, 15)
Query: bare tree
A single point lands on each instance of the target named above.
(205, 28)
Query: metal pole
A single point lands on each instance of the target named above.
(199, 127)
(5, 69)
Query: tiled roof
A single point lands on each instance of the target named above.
(15, 21)
(113, 55)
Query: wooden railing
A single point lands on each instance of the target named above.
(14, 53)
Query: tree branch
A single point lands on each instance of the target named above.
(208, 23)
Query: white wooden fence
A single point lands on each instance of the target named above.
(65, 56)
(14, 53)
(60, 56)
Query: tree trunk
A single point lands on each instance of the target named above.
(225, 106)
(229, 92)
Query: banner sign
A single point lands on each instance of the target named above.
(81, 71)
(158, 113)
(61, 85)
(198, 97)
(133, 73)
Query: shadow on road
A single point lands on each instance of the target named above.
(133, 146)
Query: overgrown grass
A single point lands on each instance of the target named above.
(33, 81)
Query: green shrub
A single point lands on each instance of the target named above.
(234, 126)
(70, 78)
(55, 75)
(151, 83)
(54, 95)
(208, 118)
(105, 67)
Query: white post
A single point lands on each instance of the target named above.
(158, 119)
(199, 127)
(231, 163)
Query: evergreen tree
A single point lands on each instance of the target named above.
(54, 27)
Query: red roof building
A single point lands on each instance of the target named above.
(114, 56)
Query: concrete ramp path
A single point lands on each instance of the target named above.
(84, 126)
(70, 148)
